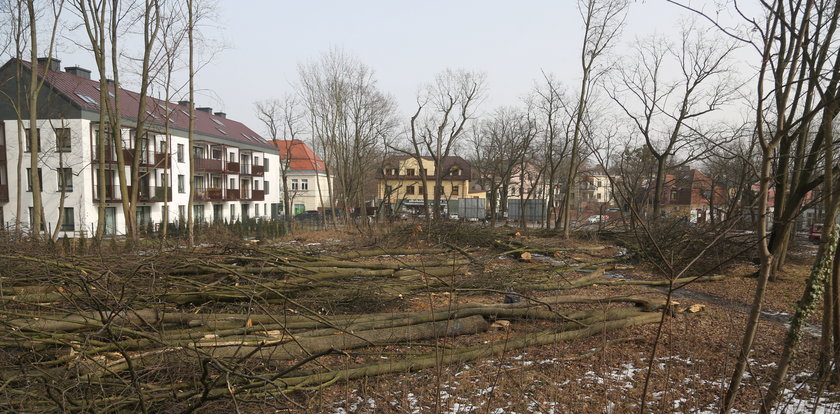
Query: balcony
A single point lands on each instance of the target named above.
(4, 193)
(258, 195)
(245, 194)
(162, 159)
(257, 170)
(209, 194)
(146, 195)
(208, 165)
(232, 195)
(245, 169)
(232, 167)
(2, 153)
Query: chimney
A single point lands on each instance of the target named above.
(207, 109)
(220, 114)
(184, 103)
(55, 64)
(110, 81)
(78, 71)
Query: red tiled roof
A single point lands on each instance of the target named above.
(302, 158)
(85, 94)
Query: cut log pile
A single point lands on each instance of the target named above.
(186, 328)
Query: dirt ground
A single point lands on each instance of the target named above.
(605, 373)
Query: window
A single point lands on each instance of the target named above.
(266, 186)
(409, 190)
(256, 185)
(673, 194)
(32, 220)
(62, 140)
(265, 166)
(198, 152)
(68, 221)
(198, 212)
(388, 189)
(143, 216)
(421, 190)
(29, 140)
(455, 172)
(180, 152)
(304, 184)
(294, 184)
(440, 190)
(232, 157)
(425, 172)
(181, 184)
(65, 179)
(29, 179)
(216, 154)
(232, 214)
(409, 172)
(182, 212)
(455, 190)
(232, 183)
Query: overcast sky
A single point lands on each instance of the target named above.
(406, 43)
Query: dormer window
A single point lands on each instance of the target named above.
(455, 172)
(409, 172)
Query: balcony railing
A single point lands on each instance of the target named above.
(232, 167)
(4, 192)
(146, 195)
(162, 159)
(257, 195)
(257, 170)
(208, 165)
(231, 195)
(209, 194)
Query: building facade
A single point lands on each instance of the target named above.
(234, 175)
(400, 185)
(309, 185)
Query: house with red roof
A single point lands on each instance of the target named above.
(234, 173)
(304, 176)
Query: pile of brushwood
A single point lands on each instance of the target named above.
(182, 329)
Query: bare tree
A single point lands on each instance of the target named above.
(602, 21)
(443, 110)
(551, 111)
(282, 120)
(666, 112)
(350, 117)
(500, 146)
(35, 85)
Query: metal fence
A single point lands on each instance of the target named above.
(534, 209)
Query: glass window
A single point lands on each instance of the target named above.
(304, 184)
(180, 152)
(29, 179)
(68, 221)
(29, 141)
(181, 183)
(65, 179)
(62, 140)
(409, 189)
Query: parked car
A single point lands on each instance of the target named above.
(454, 216)
(815, 234)
(597, 219)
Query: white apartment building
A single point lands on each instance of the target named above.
(235, 169)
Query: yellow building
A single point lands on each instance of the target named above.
(400, 184)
